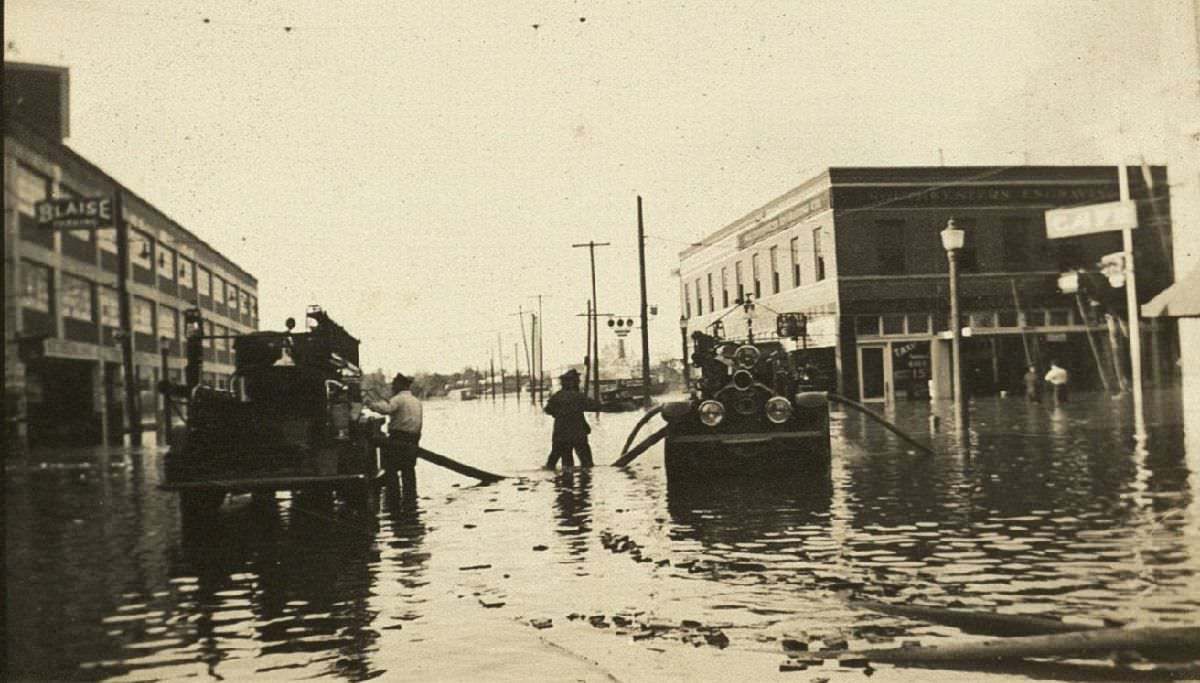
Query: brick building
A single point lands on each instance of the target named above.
(63, 381)
(858, 250)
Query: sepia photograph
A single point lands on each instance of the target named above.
(583, 340)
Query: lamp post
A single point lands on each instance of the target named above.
(952, 242)
(687, 372)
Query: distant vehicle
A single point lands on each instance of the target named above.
(753, 412)
(290, 420)
(462, 394)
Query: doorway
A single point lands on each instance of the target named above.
(874, 369)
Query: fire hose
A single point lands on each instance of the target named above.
(628, 455)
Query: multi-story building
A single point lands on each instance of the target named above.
(63, 375)
(858, 251)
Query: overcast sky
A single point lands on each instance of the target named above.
(421, 171)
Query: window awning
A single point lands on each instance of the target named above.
(1180, 300)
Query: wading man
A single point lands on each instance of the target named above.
(404, 434)
(571, 429)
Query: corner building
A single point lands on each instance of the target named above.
(858, 250)
(63, 383)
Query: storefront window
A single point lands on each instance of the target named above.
(110, 307)
(867, 325)
(186, 273)
(203, 281)
(168, 322)
(983, 320)
(143, 315)
(141, 249)
(166, 263)
(32, 187)
(76, 298)
(893, 324)
(918, 323)
(35, 286)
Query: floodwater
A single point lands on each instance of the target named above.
(609, 574)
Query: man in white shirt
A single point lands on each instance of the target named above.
(404, 434)
(1058, 378)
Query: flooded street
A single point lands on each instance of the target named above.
(608, 574)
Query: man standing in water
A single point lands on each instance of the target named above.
(571, 429)
(1033, 385)
(1058, 378)
(404, 434)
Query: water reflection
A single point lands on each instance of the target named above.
(573, 507)
(1045, 511)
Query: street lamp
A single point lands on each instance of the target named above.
(687, 372)
(952, 242)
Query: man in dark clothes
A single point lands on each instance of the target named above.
(1033, 385)
(571, 429)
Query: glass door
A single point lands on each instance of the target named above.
(873, 371)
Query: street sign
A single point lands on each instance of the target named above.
(75, 213)
(1084, 220)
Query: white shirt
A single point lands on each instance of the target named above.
(1057, 375)
(403, 411)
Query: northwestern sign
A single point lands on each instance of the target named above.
(75, 213)
(1085, 220)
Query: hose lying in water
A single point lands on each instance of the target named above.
(880, 419)
(641, 423)
(641, 447)
(1176, 643)
(455, 466)
(981, 623)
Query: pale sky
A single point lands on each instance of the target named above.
(421, 171)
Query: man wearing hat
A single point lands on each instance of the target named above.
(571, 429)
(404, 433)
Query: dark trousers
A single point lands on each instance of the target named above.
(399, 456)
(562, 450)
(1060, 393)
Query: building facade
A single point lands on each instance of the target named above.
(858, 251)
(63, 381)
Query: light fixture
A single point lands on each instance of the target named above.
(952, 237)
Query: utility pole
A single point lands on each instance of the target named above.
(492, 375)
(591, 245)
(517, 361)
(528, 365)
(500, 353)
(534, 323)
(587, 354)
(541, 353)
(133, 415)
(645, 314)
(1131, 301)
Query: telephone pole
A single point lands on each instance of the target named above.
(528, 364)
(540, 352)
(591, 246)
(645, 314)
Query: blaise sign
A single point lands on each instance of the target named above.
(75, 213)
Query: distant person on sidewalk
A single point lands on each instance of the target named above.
(571, 429)
(404, 433)
(1058, 378)
(1033, 385)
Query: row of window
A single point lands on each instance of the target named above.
(85, 301)
(756, 283)
(144, 252)
(924, 323)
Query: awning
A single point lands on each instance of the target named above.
(1180, 300)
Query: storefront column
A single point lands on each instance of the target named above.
(940, 369)
(100, 398)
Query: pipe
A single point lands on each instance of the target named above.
(641, 423)
(455, 466)
(880, 419)
(984, 623)
(1165, 643)
(641, 447)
